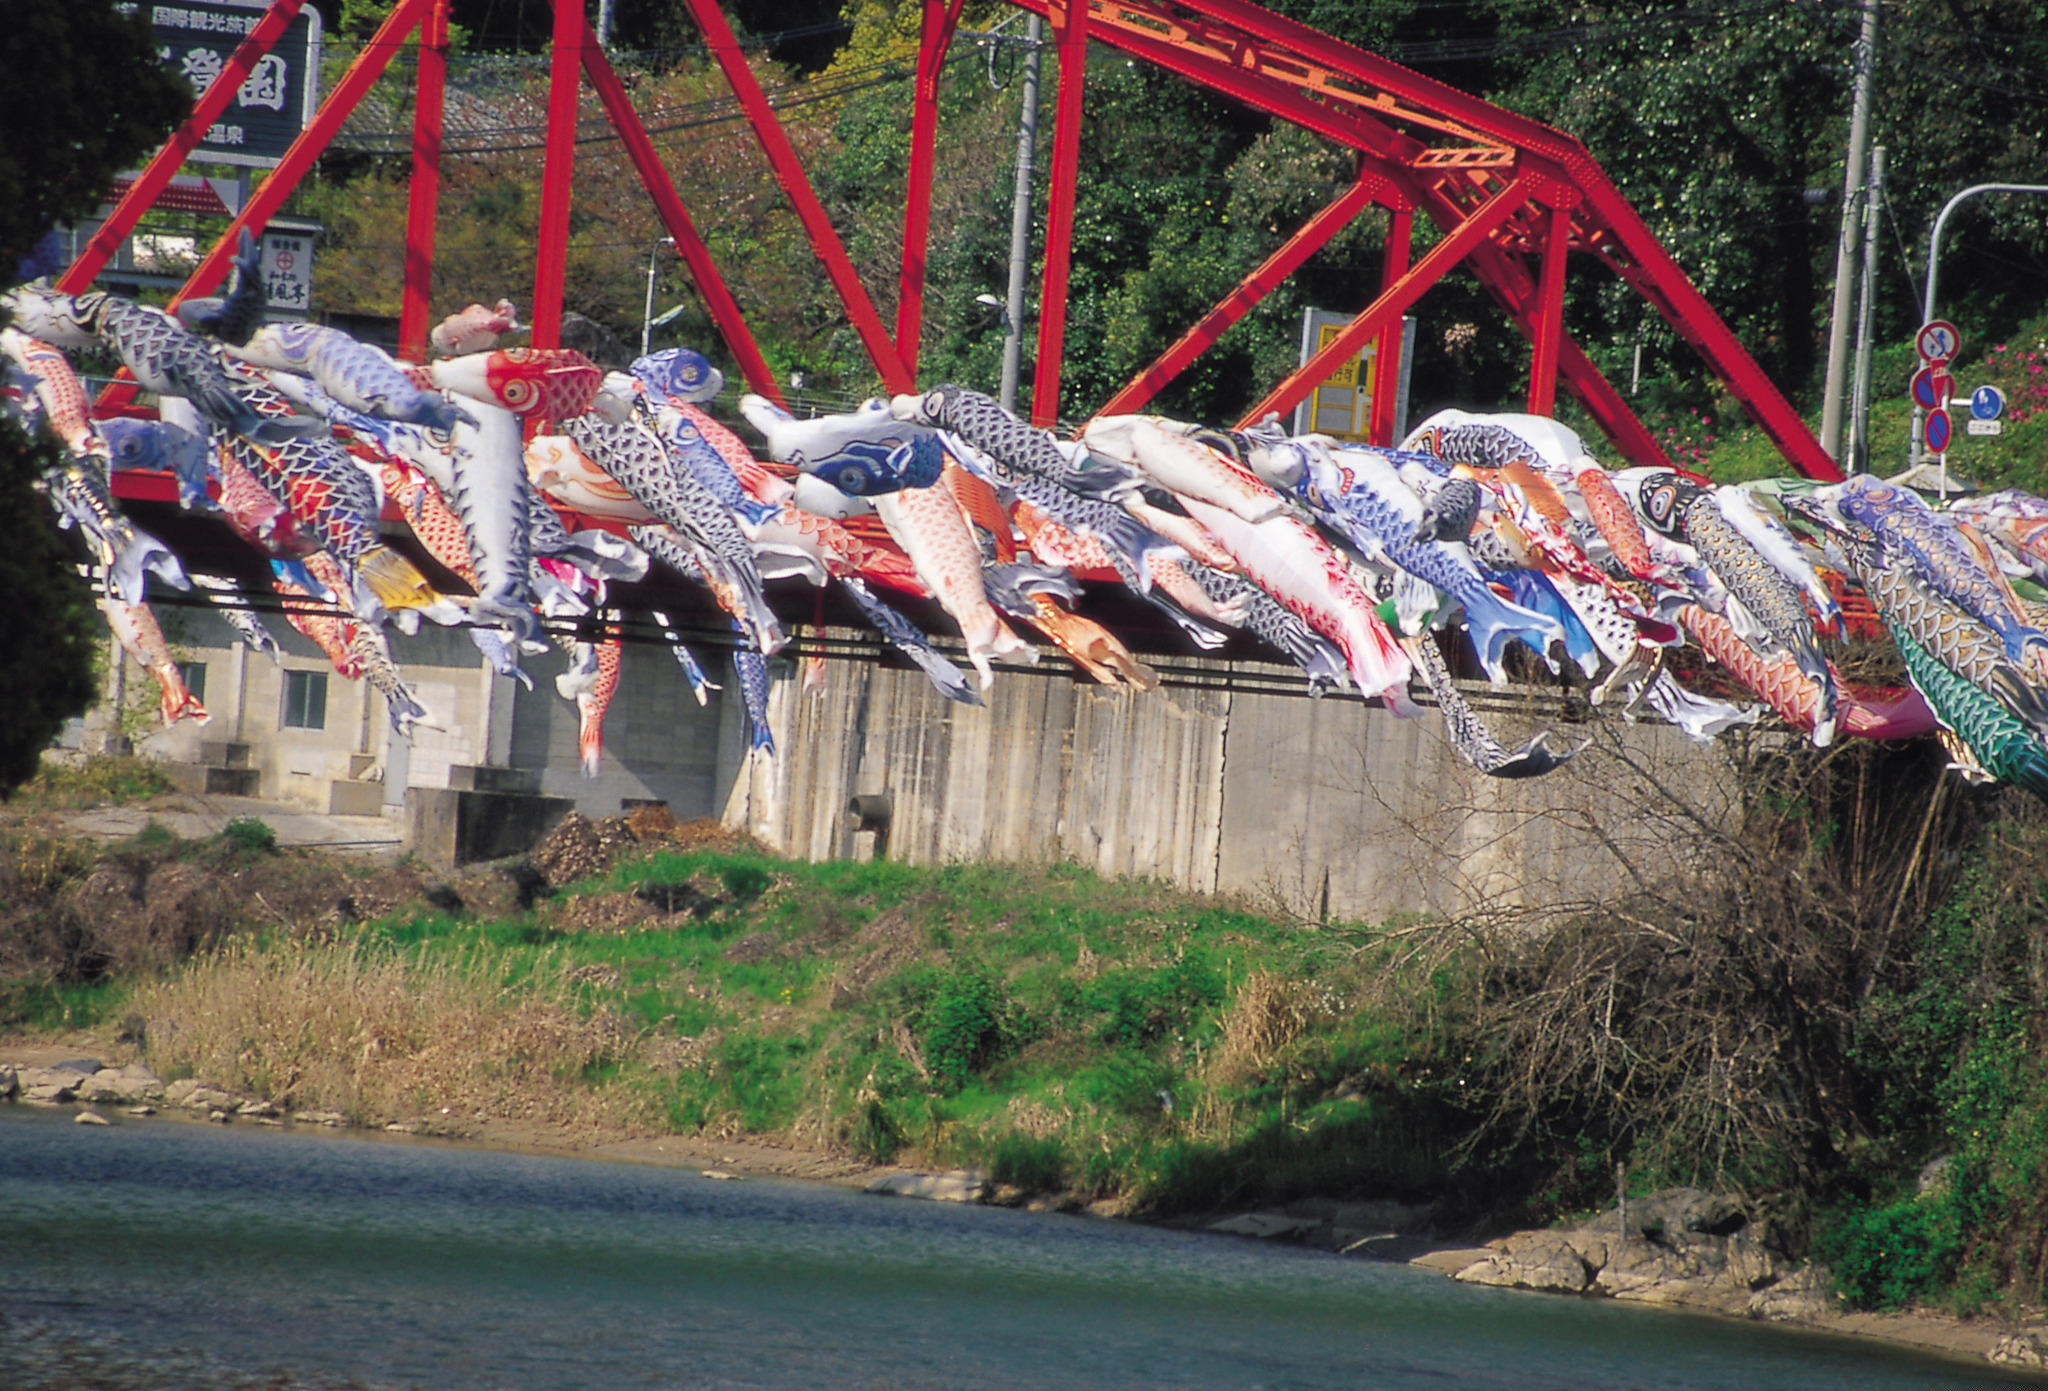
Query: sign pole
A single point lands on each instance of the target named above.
(1934, 267)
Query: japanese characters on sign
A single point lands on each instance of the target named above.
(287, 269)
(197, 37)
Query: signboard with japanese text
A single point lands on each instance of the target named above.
(287, 270)
(197, 37)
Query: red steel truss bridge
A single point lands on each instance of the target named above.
(1511, 199)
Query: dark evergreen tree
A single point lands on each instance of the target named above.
(85, 98)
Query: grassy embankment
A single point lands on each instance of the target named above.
(1067, 1033)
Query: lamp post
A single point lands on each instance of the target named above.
(647, 316)
(1020, 216)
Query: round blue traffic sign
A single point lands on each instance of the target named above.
(1987, 403)
(1939, 431)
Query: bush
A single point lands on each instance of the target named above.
(1144, 1005)
(961, 1028)
(1889, 1257)
(250, 834)
(108, 780)
(1033, 1163)
(874, 1134)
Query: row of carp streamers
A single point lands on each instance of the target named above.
(1349, 561)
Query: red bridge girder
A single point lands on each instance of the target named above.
(1511, 197)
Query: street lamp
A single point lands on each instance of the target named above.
(647, 317)
(1002, 312)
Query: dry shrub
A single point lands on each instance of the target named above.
(380, 1035)
(1267, 1013)
(1703, 1026)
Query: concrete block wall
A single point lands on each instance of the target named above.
(1318, 808)
(245, 697)
(659, 743)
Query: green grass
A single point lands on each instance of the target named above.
(1055, 1028)
(106, 780)
(58, 1006)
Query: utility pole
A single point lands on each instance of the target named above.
(1020, 214)
(1873, 209)
(1845, 250)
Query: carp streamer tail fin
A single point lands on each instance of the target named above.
(395, 581)
(1495, 622)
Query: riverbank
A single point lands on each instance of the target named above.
(1527, 1260)
(638, 989)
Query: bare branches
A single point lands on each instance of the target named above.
(1697, 1020)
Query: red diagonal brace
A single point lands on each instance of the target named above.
(941, 17)
(1386, 365)
(789, 173)
(313, 140)
(1515, 290)
(1392, 303)
(142, 194)
(368, 66)
(1687, 311)
(1373, 71)
(1311, 237)
(422, 198)
(718, 298)
(1070, 36)
(558, 174)
(1548, 319)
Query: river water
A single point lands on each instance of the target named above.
(159, 1255)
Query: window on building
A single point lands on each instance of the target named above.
(194, 675)
(305, 700)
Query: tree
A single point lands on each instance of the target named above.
(86, 98)
(48, 629)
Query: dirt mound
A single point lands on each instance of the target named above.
(601, 913)
(652, 822)
(579, 848)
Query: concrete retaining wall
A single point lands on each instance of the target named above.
(1317, 808)
(1222, 784)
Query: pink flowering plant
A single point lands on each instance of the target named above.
(2022, 372)
(1686, 435)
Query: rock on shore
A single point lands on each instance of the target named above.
(81, 1079)
(86, 1082)
(1679, 1247)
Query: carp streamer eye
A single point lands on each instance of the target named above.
(517, 391)
(1661, 503)
(852, 480)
